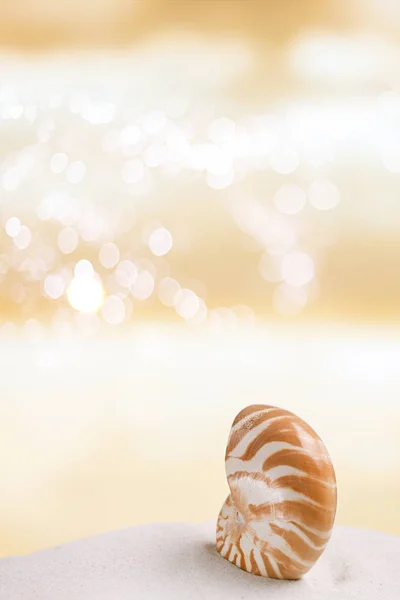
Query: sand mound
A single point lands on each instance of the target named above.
(179, 561)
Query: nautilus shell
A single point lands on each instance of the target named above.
(278, 518)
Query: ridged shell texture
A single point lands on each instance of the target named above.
(279, 515)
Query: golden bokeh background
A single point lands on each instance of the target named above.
(199, 210)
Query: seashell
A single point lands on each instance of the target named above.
(279, 516)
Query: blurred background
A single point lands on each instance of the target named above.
(199, 210)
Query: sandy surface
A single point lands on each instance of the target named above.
(179, 561)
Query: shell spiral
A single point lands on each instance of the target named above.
(279, 516)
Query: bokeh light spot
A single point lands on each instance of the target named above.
(167, 291)
(67, 240)
(143, 286)
(85, 294)
(109, 255)
(187, 304)
(297, 269)
(160, 241)
(23, 238)
(126, 273)
(58, 162)
(54, 286)
(83, 269)
(12, 227)
(323, 194)
(113, 310)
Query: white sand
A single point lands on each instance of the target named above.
(178, 561)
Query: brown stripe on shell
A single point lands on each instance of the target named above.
(303, 550)
(228, 551)
(268, 566)
(296, 511)
(239, 434)
(289, 572)
(272, 435)
(291, 457)
(232, 553)
(242, 558)
(315, 537)
(317, 491)
(254, 565)
(285, 562)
